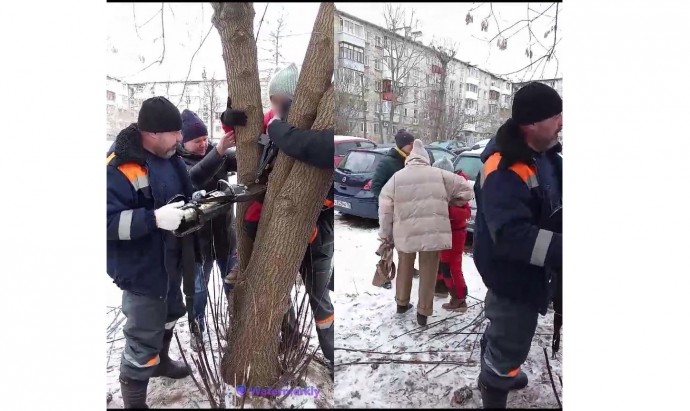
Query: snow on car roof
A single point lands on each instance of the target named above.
(349, 138)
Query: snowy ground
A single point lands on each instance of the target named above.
(168, 393)
(369, 330)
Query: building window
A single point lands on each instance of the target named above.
(471, 120)
(376, 127)
(350, 52)
(452, 84)
(416, 113)
(378, 41)
(377, 64)
(377, 108)
(405, 111)
(473, 88)
(365, 106)
(110, 95)
(493, 109)
(377, 86)
(484, 93)
(470, 104)
(362, 127)
(367, 37)
(366, 61)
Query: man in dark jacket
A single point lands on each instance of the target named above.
(392, 162)
(518, 189)
(314, 147)
(143, 257)
(207, 164)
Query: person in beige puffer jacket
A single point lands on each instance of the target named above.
(413, 214)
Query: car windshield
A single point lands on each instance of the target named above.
(360, 162)
(439, 154)
(470, 165)
(341, 148)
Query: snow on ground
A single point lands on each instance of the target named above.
(367, 321)
(168, 393)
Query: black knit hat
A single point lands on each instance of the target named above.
(159, 115)
(403, 138)
(536, 102)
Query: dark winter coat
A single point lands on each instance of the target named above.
(142, 258)
(216, 237)
(314, 147)
(513, 253)
(392, 162)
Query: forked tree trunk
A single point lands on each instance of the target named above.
(293, 200)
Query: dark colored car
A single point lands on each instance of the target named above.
(343, 144)
(352, 180)
(454, 146)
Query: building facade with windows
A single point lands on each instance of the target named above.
(207, 98)
(380, 70)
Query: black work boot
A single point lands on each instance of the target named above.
(133, 392)
(402, 309)
(492, 398)
(167, 367)
(421, 319)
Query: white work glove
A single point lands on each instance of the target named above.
(198, 194)
(169, 216)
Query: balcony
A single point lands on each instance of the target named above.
(434, 105)
(470, 111)
(352, 65)
(469, 127)
(471, 95)
(349, 38)
(472, 80)
(388, 96)
(496, 89)
(436, 69)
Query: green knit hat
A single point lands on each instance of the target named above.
(284, 82)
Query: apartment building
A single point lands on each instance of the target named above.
(379, 71)
(206, 97)
(555, 83)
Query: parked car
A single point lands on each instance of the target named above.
(352, 180)
(343, 144)
(471, 164)
(480, 144)
(454, 146)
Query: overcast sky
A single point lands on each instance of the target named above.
(186, 24)
(130, 50)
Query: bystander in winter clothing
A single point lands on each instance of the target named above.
(413, 213)
(450, 265)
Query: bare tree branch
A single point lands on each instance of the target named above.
(258, 30)
(192, 61)
(520, 21)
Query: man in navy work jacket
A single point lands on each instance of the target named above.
(518, 190)
(144, 258)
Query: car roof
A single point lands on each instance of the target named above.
(472, 153)
(378, 150)
(339, 139)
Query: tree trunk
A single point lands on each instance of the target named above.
(295, 194)
(235, 24)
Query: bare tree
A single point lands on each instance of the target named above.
(295, 191)
(402, 58)
(273, 49)
(350, 101)
(534, 18)
(445, 53)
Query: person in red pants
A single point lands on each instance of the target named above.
(450, 266)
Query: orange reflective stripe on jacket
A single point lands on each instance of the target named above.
(135, 173)
(528, 174)
(314, 232)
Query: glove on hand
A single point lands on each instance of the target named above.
(169, 216)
